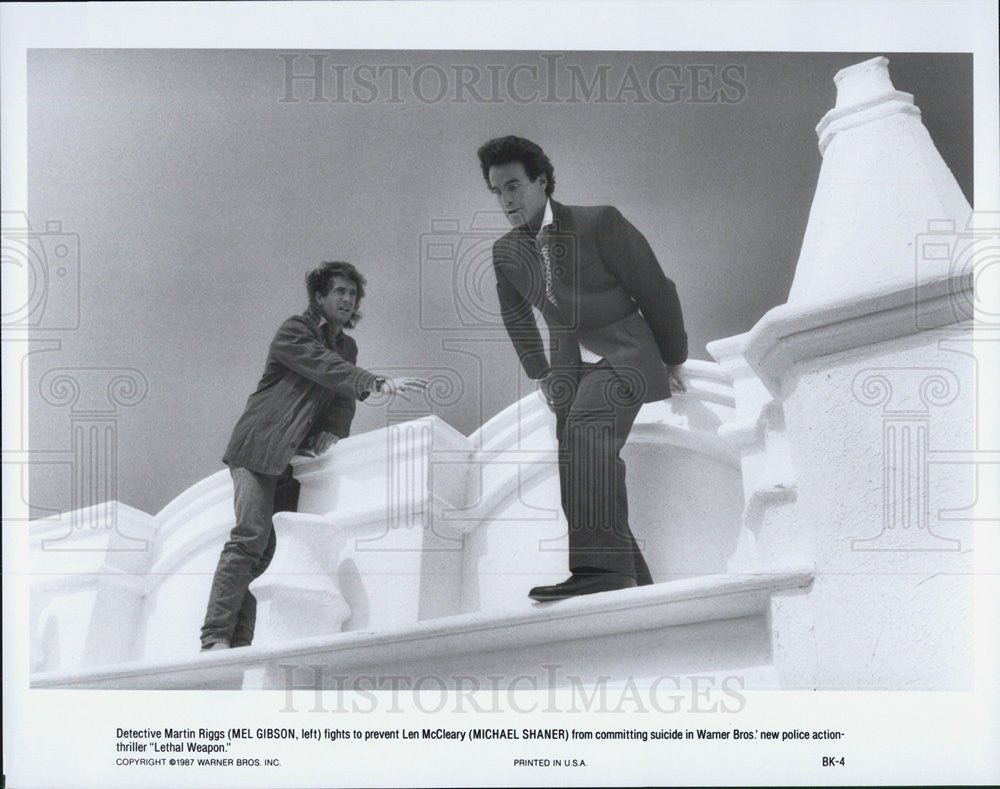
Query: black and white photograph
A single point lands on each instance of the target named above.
(499, 394)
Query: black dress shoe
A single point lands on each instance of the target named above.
(578, 584)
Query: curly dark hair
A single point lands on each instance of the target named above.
(320, 280)
(504, 150)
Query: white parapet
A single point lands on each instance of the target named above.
(414, 524)
(856, 434)
(88, 568)
(367, 524)
(385, 493)
(299, 595)
(710, 630)
(684, 488)
(757, 432)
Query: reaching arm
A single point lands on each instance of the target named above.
(299, 349)
(629, 256)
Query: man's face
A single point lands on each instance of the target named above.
(337, 306)
(522, 200)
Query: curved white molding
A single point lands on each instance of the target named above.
(204, 493)
(423, 472)
(791, 333)
(893, 102)
(502, 431)
(190, 540)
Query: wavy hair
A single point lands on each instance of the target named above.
(320, 280)
(504, 150)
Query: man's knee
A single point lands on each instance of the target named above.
(244, 551)
(588, 427)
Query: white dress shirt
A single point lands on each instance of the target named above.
(586, 355)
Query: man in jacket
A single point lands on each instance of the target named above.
(305, 401)
(616, 341)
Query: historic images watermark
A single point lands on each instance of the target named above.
(457, 287)
(552, 690)
(41, 305)
(951, 266)
(41, 275)
(549, 78)
(907, 396)
(962, 258)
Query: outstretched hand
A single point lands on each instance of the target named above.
(400, 386)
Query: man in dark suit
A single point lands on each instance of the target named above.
(616, 341)
(305, 402)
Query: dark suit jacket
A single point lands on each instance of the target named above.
(612, 296)
(310, 383)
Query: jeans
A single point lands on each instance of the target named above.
(232, 609)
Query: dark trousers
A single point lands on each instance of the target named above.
(595, 408)
(232, 609)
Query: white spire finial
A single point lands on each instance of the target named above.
(881, 181)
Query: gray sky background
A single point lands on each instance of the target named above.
(200, 199)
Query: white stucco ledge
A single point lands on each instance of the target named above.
(425, 434)
(791, 333)
(675, 603)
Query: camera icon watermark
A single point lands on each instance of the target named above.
(41, 275)
(457, 283)
(459, 271)
(967, 260)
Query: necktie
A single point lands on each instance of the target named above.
(586, 354)
(543, 250)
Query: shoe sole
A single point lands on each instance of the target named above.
(578, 594)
